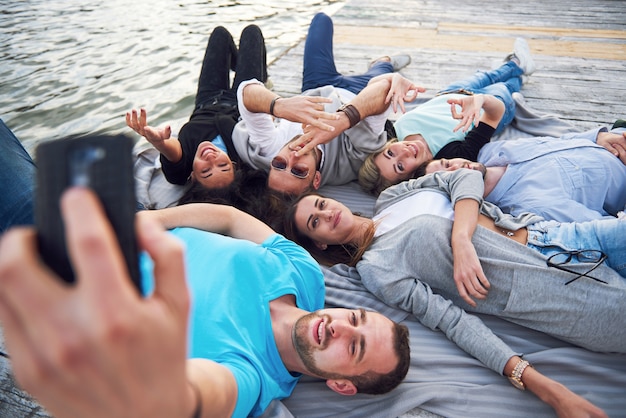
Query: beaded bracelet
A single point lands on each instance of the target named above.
(272, 103)
(351, 112)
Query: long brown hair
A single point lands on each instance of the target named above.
(349, 253)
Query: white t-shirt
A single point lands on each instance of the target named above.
(424, 202)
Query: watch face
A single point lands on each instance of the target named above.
(517, 383)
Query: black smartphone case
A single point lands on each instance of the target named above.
(102, 163)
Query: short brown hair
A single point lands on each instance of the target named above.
(378, 384)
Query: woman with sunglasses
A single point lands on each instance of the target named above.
(558, 278)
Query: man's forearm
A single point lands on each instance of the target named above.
(257, 98)
(371, 100)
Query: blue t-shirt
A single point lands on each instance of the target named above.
(219, 142)
(232, 282)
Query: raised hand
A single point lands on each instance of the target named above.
(402, 90)
(470, 110)
(139, 124)
(307, 110)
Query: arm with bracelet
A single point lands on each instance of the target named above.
(566, 403)
(372, 100)
(301, 109)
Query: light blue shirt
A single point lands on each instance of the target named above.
(568, 179)
(433, 120)
(219, 142)
(232, 282)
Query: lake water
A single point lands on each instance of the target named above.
(71, 67)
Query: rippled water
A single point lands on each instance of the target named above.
(69, 66)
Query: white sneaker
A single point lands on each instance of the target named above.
(400, 61)
(521, 51)
(397, 61)
(519, 97)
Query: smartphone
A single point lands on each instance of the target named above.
(102, 163)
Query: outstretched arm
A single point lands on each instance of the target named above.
(98, 349)
(222, 219)
(308, 110)
(374, 99)
(160, 138)
(565, 402)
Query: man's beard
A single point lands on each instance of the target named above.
(300, 337)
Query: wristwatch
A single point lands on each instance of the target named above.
(516, 375)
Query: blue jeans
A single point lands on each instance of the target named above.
(17, 181)
(501, 83)
(319, 62)
(607, 235)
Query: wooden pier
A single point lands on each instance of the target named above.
(579, 47)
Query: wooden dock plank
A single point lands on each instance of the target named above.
(579, 48)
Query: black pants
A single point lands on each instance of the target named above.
(221, 55)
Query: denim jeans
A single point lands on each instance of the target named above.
(319, 61)
(221, 56)
(17, 181)
(501, 83)
(607, 235)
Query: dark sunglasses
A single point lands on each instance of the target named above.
(596, 257)
(298, 170)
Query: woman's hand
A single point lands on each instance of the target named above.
(139, 124)
(469, 277)
(470, 110)
(402, 90)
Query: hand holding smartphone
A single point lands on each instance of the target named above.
(102, 163)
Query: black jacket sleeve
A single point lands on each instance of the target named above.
(470, 146)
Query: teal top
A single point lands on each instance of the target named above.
(232, 282)
(433, 120)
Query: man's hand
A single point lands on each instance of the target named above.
(314, 136)
(139, 124)
(97, 349)
(614, 143)
(308, 110)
